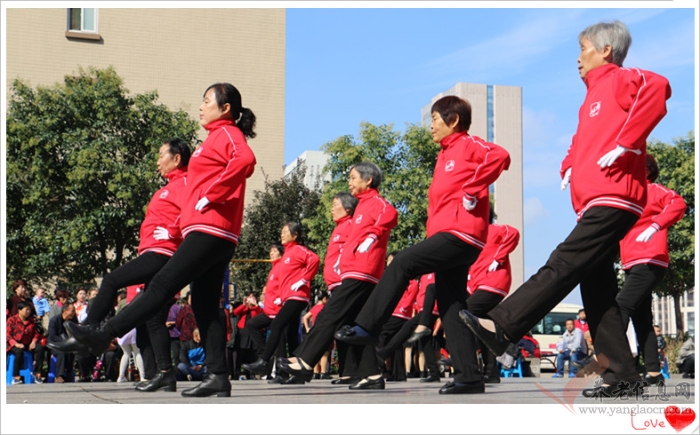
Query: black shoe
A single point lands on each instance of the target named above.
(210, 385)
(496, 342)
(292, 380)
(317, 376)
(369, 384)
(470, 388)
(259, 367)
(325, 376)
(301, 373)
(277, 379)
(344, 381)
(161, 381)
(70, 344)
(348, 335)
(86, 379)
(599, 392)
(434, 377)
(653, 380)
(95, 341)
(416, 336)
(492, 380)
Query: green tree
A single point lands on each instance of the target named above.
(677, 172)
(282, 201)
(406, 160)
(80, 171)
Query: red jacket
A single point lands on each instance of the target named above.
(163, 211)
(218, 170)
(242, 311)
(21, 332)
(404, 309)
(374, 217)
(298, 264)
(272, 291)
(501, 241)
(664, 208)
(425, 281)
(335, 247)
(622, 106)
(466, 165)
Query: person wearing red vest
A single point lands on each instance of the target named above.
(210, 221)
(360, 267)
(458, 210)
(605, 167)
(644, 254)
(297, 268)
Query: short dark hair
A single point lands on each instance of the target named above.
(295, 230)
(18, 283)
(22, 304)
(652, 169)
(322, 294)
(179, 146)
(582, 309)
(62, 293)
(279, 247)
(66, 307)
(450, 108)
(348, 201)
(570, 319)
(226, 93)
(369, 170)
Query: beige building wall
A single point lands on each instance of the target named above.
(178, 52)
(508, 133)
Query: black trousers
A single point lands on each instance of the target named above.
(38, 353)
(255, 327)
(285, 323)
(635, 303)
(390, 329)
(449, 258)
(64, 364)
(427, 318)
(200, 261)
(586, 257)
(479, 304)
(426, 344)
(153, 338)
(343, 305)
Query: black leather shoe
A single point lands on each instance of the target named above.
(599, 392)
(496, 342)
(325, 376)
(259, 367)
(492, 380)
(317, 376)
(369, 384)
(292, 380)
(416, 336)
(653, 380)
(161, 381)
(301, 373)
(70, 344)
(431, 378)
(277, 379)
(210, 385)
(348, 335)
(471, 388)
(96, 340)
(344, 381)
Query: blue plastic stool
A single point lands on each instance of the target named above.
(664, 369)
(517, 369)
(25, 372)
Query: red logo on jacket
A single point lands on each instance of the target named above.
(449, 165)
(359, 219)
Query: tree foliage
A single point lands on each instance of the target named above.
(677, 172)
(80, 172)
(282, 201)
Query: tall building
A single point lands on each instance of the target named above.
(313, 163)
(178, 52)
(497, 117)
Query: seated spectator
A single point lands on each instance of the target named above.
(81, 304)
(243, 350)
(581, 323)
(42, 307)
(686, 359)
(22, 335)
(56, 309)
(527, 345)
(57, 332)
(571, 348)
(21, 293)
(191, 364)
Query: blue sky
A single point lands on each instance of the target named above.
(346, 66)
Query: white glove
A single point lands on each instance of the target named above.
(201, 203)
(277, 301)
(646, 235)
(608, 159)
(468, 202)
(336, 266)
(494, 266)
(566, 179)
(298, 284)
(161, 233)
(364, 247)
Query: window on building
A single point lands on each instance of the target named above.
(82, 23)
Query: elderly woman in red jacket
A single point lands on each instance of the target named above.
(210, 222)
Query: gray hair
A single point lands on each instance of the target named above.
(369, 170)
(614, 33)
(348, 201)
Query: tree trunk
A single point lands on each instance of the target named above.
(679, 316)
